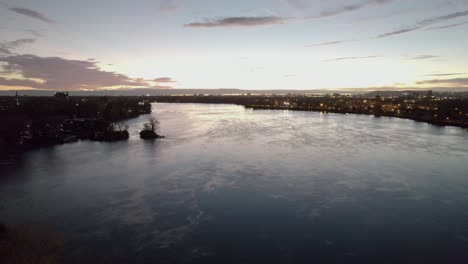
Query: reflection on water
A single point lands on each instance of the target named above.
(230, 184)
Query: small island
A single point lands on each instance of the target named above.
(150, 130)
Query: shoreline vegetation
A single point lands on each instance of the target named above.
(434, 108)
(29, 122)
(32, 122)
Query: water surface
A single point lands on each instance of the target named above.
(233, 185)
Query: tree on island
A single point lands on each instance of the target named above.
(121, 126)
(152, 125)
(150, 129)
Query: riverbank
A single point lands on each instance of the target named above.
(439, 111)
(34, 122)
(414, 118)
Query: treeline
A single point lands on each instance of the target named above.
(434, 109)
(27, 122)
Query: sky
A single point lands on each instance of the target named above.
(264, 44)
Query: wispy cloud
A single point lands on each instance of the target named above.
(19, 42)
(4, 51)
(331, 43)
(34, 32)
(424, 23)
(438, 19)
(167, 6)
(6, 47)
(32, 14)
(161, 87)
(448, 26)
(164, 80)
(352, 7)
(398, 32)
(354, 58)
(63, 74)
(274, 20)
(449, 82)
(18, 82)
(444, 74)
(296, 3)
(424, 57)
(238, 22)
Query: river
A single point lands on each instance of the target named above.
(235, 185)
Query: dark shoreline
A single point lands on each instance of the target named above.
(437, 111)
(36, 122)
(432, 110)
(439, 123)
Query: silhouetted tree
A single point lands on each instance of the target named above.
(152, 125)
(150, 128)
(121, 126)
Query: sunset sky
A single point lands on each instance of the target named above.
(264, 44)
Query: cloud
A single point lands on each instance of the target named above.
(161, 87)
(296, 3)
(238, 22)
(34, 32)
(4, 51)
(398, 32)
(424, 57)
(164, 80)
(430, 21)
(167, 6)
(62, 74)
(18, 82)
(352, 7)
(448, 26)
(6, 47)
(32, 14)
(274, 20)
(19, 42)
(444, 74)
(330, 43)
(354, 58)
(424, 23)
(449, 82)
